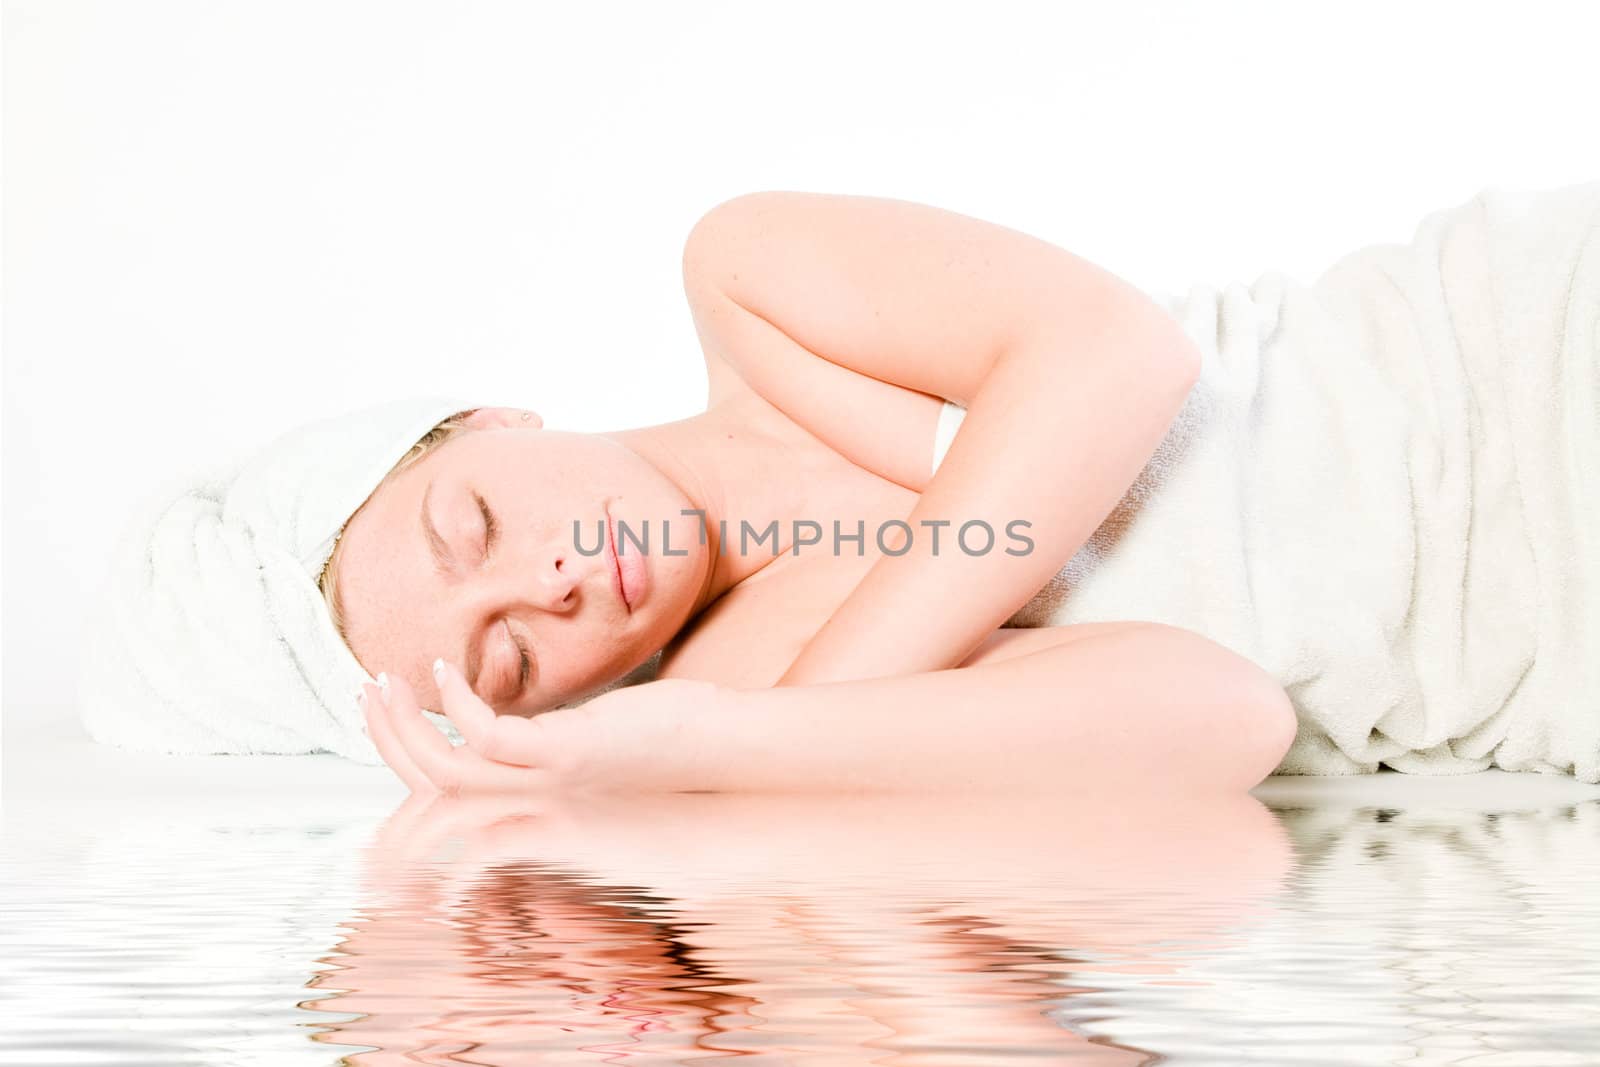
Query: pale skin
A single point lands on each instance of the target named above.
(832, 328)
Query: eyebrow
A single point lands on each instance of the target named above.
(444, 561)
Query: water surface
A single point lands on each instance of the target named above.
(223, 928)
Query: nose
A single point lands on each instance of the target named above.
(558, 572)
(546, 577)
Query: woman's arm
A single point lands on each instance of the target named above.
(1140, 706)
(1144, 706)
(1071, 378)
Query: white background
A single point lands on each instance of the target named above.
(222, 218)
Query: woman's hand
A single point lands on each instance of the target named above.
(658, 736)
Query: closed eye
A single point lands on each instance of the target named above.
(491, 537)
(522, 677)
(491, 529)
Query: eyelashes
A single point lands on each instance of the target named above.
(491, 532)
(490, 529)
(524, 664)
(522, 676)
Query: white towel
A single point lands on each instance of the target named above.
(210, 634)
(1385, 490)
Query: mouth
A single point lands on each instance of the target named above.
(616, 566)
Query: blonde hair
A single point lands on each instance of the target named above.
(429, 441)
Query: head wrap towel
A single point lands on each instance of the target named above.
(211, 634)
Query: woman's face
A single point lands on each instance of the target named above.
(504, 573)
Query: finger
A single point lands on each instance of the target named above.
(462, 706)
(452, 770)
(389, 746)
(431, 750)
(508, 739)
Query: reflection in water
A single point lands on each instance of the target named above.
(810, 929)
(904, 931)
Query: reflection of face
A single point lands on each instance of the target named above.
(534, 590)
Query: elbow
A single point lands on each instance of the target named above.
(1171, 356)
(1244, 720)
(1176, 359)
(1151, 337)
(1279, 727)
(1175, 370)
(1187, 360)
(1155, 357)
(1266, 727)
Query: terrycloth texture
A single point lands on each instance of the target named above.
(211, 635)
(1385, 490)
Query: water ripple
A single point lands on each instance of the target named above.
(782, 931)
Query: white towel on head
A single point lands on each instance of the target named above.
(1385, 490)
(211, 634)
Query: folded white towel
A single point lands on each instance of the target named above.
(211, 634)
(1385, 490)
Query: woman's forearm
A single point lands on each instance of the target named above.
(1060, 428)
(1144, 707)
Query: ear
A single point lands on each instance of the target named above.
(485, 418)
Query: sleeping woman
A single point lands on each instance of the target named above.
(963, 511)
(833, 329)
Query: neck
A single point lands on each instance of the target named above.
(732, 467)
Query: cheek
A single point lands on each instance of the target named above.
(575, 665)
(389, 631)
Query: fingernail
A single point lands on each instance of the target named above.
(438, 668)
(383, 680)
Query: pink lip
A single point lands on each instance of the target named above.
(616, 565)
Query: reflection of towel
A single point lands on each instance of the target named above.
(1422, 933)
(1385, 489)
(212, 635)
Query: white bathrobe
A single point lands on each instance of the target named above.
(1385, 490)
